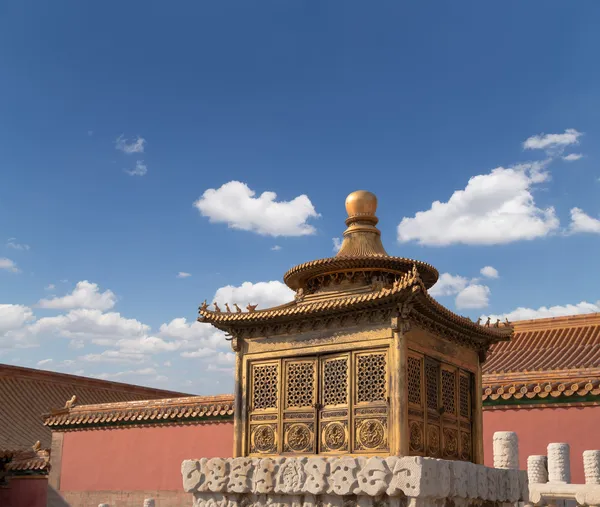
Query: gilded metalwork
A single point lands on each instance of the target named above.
(449, 391)
(464, 396)
(263, 438)
(335, 436)
(371, 378)
(335, 382)
(299, 438)
(450, 449)
(264, 386)
(433, 440)
(300, 378)
(371, 434)
(414, 373)
(432, 385)
(416, 437)
(465, 446)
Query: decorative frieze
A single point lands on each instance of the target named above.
(347, 481)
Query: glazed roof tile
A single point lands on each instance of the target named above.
(26, 394)
(180, 410)
(559, 343)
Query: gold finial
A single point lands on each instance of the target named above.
(361, 238)
(361, 202)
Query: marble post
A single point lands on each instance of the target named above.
(506, 450)
(537, 469)
(591, 467)
(559, 463)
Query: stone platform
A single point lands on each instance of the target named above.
(350, 481)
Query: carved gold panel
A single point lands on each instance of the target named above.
(371, 402)
(328, 404)
(263, 434)
(440, 420)
(300, 405)
(335, 403)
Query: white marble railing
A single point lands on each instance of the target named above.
(349, 482)
(550, 476)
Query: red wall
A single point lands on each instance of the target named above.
(24, 492)
(538, 427)
(146, 458)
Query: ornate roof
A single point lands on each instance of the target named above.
(25, 462)
(164, 411)
(26, 394)
(556, 359)
(362, 276)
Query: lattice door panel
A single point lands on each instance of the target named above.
(334, 414)
(371, 402)
(433, 432)
(449, 405)
(465, 411)
(416, 412)
(264, 403)
(300, 405)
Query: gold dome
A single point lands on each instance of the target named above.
(361, 202)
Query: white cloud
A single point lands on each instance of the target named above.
(582, 222)
(135, 146)
(489, 272)
(128, 373)
(494, 208)
(263, 294)
(13, 317)
(201, 352)
(183, 274)
(85, 295)
(545, 312)
(448, 285)
(90, 325)
(572, 157)
(168, 364)
(12, 243)
(45, 361)
(50, 286)
(115, 356)
(553, 143)
(276, 248)
(8, 265)
(337, 244)
(234, 204)
(140, 169)
(473, 296)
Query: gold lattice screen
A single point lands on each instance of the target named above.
(330, 404)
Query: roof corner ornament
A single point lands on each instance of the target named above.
(251, 308)
(217, 309)
(497, 323)
(507, 323)
(203, 306)
(227, 308)
(478, 321)
(36, 447)
(487, 322)
(71, 403)
(237, 308)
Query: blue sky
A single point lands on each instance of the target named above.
(137, 140)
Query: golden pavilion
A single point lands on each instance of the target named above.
(363, 361)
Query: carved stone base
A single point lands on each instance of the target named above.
(349, 482)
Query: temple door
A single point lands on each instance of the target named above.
(433, 432)
(450, 432)
(300, 403)
(370, 402)
(263, 413)
(334, 408)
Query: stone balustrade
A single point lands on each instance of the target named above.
(348, 481)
